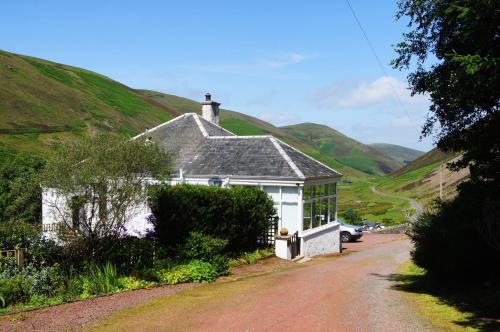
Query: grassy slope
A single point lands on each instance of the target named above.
(346, 150)
(400, 153)
(42, 101)
(420, 178)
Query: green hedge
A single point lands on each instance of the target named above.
(238, 214)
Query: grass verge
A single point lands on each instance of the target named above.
(448, 307)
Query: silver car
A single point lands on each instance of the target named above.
(349, 233)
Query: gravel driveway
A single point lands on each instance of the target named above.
(348, 293)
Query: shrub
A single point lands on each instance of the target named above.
(13, 290)
(352, 217)
(131, 283)
(194, 271)
(238, 214)
(203, 247)
(18, 234)
(46, 281)
(460, 240)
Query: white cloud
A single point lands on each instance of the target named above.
(364, 94)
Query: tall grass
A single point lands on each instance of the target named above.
(100, 280)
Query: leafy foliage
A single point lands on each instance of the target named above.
(460, 239)
(463, 81)
(100, 280)
(238, 214)
(102, 179)
(20, 194)
(352, 217)
(194, 271)
(203, 247)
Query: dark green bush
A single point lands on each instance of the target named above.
(238, 214)
(18, 234)
(460, 239)
(352, 217)
(203, 247)
(12, 290)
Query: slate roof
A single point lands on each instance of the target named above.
(203, 149)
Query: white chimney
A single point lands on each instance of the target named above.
(210, 109)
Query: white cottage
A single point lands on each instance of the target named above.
(304, 190)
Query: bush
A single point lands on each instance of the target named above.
(13, 290)
(352, 217)
(203, 247)
(131, 283)
(194, 271)
(238, 214)
(460, 239)
(46, 281)
(18, 234)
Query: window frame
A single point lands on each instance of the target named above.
(319, 193)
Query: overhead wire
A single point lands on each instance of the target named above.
(394, 91)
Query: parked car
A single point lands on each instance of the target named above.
(371, 226)
(349, 233)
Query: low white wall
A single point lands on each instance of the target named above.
(322, 241)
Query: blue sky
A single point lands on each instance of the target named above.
(283, 61)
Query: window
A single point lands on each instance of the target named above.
(320, 205)
(77, 211)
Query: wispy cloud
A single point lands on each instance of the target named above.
(254, 66)
(364, 94)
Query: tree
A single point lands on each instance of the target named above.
(453, 47)
(20, 194)
(92, 186)
(352, 217)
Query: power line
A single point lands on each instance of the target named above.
(398, 99)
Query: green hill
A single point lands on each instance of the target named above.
(397, 152)
(344, 149)
(421, 178)
(43, 101)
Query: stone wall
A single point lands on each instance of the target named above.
(321, 242)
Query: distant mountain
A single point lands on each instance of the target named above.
(400, 153)
(346, 150)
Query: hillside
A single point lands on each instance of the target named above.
(43, 101)
(344, 149)
(421, 178)
(397, 152)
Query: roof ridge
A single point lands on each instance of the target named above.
(244, 137)
(200, 125)
(302, 153)
(287, 157)
(159, 126)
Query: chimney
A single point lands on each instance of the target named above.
(210, 109)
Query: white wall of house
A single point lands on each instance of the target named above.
(288, 198)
